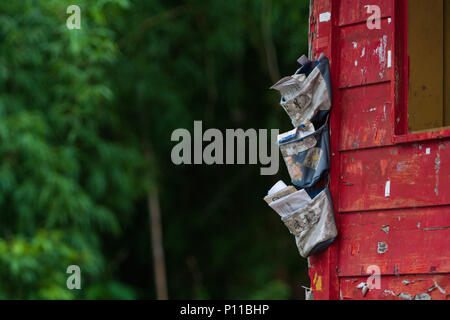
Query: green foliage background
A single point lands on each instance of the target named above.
(79, 109)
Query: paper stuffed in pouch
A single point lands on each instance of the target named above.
(278, 191)
(306, 95)
(311, 221)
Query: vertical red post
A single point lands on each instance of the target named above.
(323, 266)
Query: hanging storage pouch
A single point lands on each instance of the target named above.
(306, 95)
(307, 158)
(313, 225)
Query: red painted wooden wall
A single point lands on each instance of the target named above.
(390, 188)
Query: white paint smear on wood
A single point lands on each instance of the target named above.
(387, 189)
(389, 63)
(325, 16)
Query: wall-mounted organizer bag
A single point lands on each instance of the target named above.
(307, 157)
(307, 213)
(313, 225)
(306, 95)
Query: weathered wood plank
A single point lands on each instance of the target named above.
(365, 55)
(401, 241)
(401, 176)
(354, 11)
(324, 280)
(398, 288)
(366, 117)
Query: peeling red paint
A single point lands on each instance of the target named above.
(399, 288)
(389, 187)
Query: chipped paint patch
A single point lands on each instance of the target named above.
(422, 296)
(382, 247)
(439, 288)
(325, 16)
(387, 189)
(365, 289)
(437, 167)
(389, 63)
(427, 151)
(363, 52)
(435, 228)
(404, 296)
(385, 228)
(354, 44)
(436, 286)
(381, 50)
(401, 165)
(389, 292)
(317, 282)
(361, 285)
